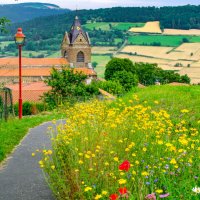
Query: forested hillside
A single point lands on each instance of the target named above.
(45, 33)
(27, 11)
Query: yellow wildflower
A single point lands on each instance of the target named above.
(87, 189)
(52, 167)
(159, 191)
(116, 159)
(122, 181)
(184, 111)
(80, 162)
(173, 161)
(98, 196)
(144, 149)
(145, 174)
(104, 192)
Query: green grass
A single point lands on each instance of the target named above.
(14, 130)
(102, 60)
(164, 40)
(126, 26)
(106, 27)
(56, 54)
(173, 99)
(195, 39)
(34, 53)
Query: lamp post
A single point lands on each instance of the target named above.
(20, 41)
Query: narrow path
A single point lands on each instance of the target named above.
(21, 178)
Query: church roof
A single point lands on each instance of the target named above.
(76, 29)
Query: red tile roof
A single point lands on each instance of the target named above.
(35, 72)
(31, 92)
(33, 62)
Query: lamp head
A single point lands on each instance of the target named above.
(20, 37)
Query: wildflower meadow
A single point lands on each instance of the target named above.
(123, 150)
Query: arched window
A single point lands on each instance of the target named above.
(80, 57)
(65, 54)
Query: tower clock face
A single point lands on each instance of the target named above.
(78, 28)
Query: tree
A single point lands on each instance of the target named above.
(149, 73)
(3, 22)
(118, 64)
(127, 79)
(66, 84)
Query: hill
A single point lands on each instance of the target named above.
(27, 11)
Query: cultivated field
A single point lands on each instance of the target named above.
(152, 51)
(103, 50)
(149, 27)
(185, 58)
(181, 32)
(5, 43)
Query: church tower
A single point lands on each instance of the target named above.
(76, 46)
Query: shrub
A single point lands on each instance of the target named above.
(30, 108)
(112, 87)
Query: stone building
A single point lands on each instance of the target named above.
(76, 46)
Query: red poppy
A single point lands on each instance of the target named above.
(125, 165)
(113, 197)
(123, 190)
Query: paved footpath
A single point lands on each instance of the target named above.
(21, 178)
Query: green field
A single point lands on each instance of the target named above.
(164, 40)
(56, 54)
(106, 27)
(102, 60)
(5, 43)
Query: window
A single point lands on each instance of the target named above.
(65, 54)
(80, 57)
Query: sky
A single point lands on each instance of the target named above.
(91, 4)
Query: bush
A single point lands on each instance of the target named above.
(112, 87)
(30, 108)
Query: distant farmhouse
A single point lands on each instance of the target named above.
(75, 51)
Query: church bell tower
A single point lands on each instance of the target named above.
(76, 46)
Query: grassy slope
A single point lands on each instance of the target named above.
(163, 39)
(13, 131)
(173, 99)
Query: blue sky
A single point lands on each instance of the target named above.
(87, 4)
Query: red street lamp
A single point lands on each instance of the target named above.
(20, 41)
